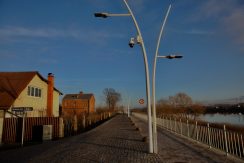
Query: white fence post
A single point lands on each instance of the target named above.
(175, 124)
(180, 127)
(226, 142)
(163, 122)
(242, 145)
(239, 145)
(187, 124)
(196, 131)
(209, 137)
(167, 123)
(2, 115)
(170, 122)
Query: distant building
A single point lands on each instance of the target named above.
(78, 104)
(29, 89)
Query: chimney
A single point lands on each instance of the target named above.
(80, 94)
(50, 94)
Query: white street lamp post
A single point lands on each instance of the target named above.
(155, 148)
(155, 145)
(140, 41)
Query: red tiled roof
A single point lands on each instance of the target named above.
(78, 96)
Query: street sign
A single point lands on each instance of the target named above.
(22, 109)
(141, 101)
(19, 113)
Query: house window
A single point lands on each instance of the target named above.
(40, 93)
(34, 91)
(29, 91)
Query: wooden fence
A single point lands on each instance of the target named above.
(80, 124)
(12, 128)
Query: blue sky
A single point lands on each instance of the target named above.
(90, 54)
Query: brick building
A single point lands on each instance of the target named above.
(78, 104)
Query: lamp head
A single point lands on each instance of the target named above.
(101, 15)
(174, 56)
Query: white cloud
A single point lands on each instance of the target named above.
(229, 16)
(10, 33)
(234, 25)
(198, 32)
(215, 8)
(29, 32)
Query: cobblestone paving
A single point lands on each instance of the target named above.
(117, 140)
(172, 148)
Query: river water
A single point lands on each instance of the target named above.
(235, 119)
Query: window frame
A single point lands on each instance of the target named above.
(33, 91)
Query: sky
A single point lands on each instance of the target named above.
(90, 54)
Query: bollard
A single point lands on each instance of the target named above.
(84, 122)
(75, 124)
(61, 128)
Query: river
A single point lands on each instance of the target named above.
(235, 119)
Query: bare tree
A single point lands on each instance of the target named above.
(162, 102)
(180, 99)
(111, 97)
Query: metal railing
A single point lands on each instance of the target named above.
(227, 141)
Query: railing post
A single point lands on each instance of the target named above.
(187, 124)
(242, 145)
(196, 132)
(226, 142)
(209, 137)
(239, 145)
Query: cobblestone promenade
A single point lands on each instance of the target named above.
(115, 141)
